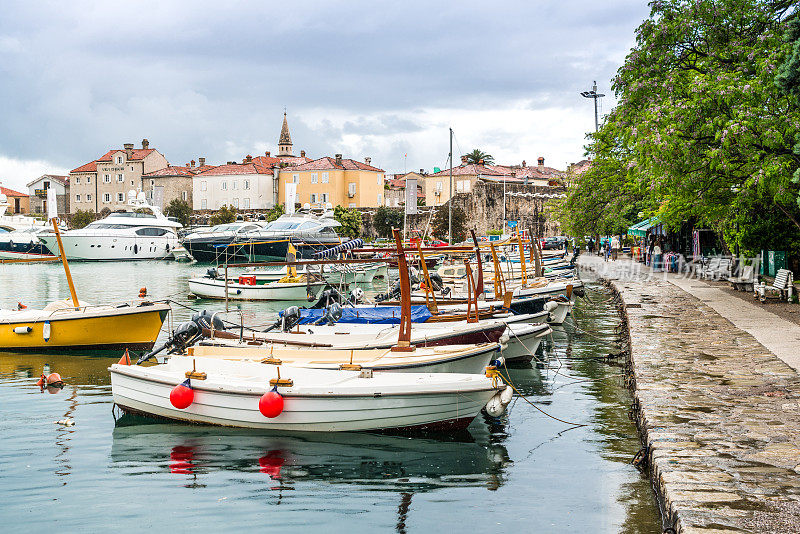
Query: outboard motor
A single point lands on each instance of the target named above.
(326, 298)
(392, 294)
(332, 314)
(212, 273)
(290, 318)
(205, 318)
(436, 281)
(185, 335)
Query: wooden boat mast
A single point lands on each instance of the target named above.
(52, 211)
(429, 302)
(522, 260)
(404, 337)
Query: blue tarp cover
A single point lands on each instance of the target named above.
(376, 315)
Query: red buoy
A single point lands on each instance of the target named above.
(42, 381)
(182, 395)
(271, 403)
(54, 379)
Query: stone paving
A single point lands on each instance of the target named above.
(718, 411)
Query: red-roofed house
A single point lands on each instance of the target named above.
(437, 185)
(105, 182)
(17, 202)
(171, 182)
(338, 181)
(246, 185)
(37, 193)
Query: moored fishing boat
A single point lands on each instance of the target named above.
(237, 393)
(62, 326)
(248, 288)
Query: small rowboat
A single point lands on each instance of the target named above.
(211, 288)
(317, 400)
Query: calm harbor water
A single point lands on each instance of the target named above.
(524, 473)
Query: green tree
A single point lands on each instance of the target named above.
(385, 219)
(350, 219)
(81, 218)
(440, 223)
(180, 209)
(703, 128)
(275, 212)
(223, 216)
(479, 156)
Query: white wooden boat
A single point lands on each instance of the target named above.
(214, 288)
(524, 341)
(317, 400)
(334, 274)
(469, 359)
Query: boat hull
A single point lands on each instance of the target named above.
(523, 343)
(134, 328)
(85, 247)
(135, 392)
(215, 289)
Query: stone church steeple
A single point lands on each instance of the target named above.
(285, 140)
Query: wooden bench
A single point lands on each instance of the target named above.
(780, 287)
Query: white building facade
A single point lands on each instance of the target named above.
(244, 186)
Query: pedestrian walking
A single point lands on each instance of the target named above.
(590, 245)
(614, 247)
(607, 249)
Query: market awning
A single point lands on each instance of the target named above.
(640, 229)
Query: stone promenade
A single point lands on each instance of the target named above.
(718, 410)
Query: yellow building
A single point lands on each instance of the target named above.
(340, 182)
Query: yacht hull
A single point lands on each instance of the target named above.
(86, 247)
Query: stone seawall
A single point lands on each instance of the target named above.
(718, 413)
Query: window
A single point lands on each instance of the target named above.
(131, 183)
(246, 184)
(313, 198)
(88, 179)
(462, 186)
(119, 160)
(224, 185)
(351, 205)
(47, 185)
(324, 198)
(203, 204)
(203, 185)
(351, 189)
(152, 183)
(380, 199)
(324, 177)
(439, 186)
(120, 197)
(313, 178)
(235, 202)
(380, 179)
(106, 197)
(119, 178)
(183, 195)
(77, 198)
(247, 203)
(131, 167)
(151, 231)
(77, 179)
(296, 178)
(235, 184)
(107, 178)
(88, 198)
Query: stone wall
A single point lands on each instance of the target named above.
(484, 208)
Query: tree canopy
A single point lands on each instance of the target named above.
(180, 209)
(385, 219)
(350, 219)
(706, 124)
(223, 216)
(479, 156)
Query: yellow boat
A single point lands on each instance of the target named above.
(70, 324)
(60, 326)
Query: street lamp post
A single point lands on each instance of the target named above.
(593, 94)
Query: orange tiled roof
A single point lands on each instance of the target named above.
(237, 168)
(11, 193)
(172, 171)
(138, 154)
(327, 163)
(88, 167)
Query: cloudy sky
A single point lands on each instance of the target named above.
(362, 78)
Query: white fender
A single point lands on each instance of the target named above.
(46, 331)
(495, 407)
(506, 395)
(550, 306)
(23, 330)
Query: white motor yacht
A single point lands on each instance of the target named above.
(141, 232)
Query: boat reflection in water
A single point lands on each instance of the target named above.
(370, 461)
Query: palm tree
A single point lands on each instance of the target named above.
(479, 156)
